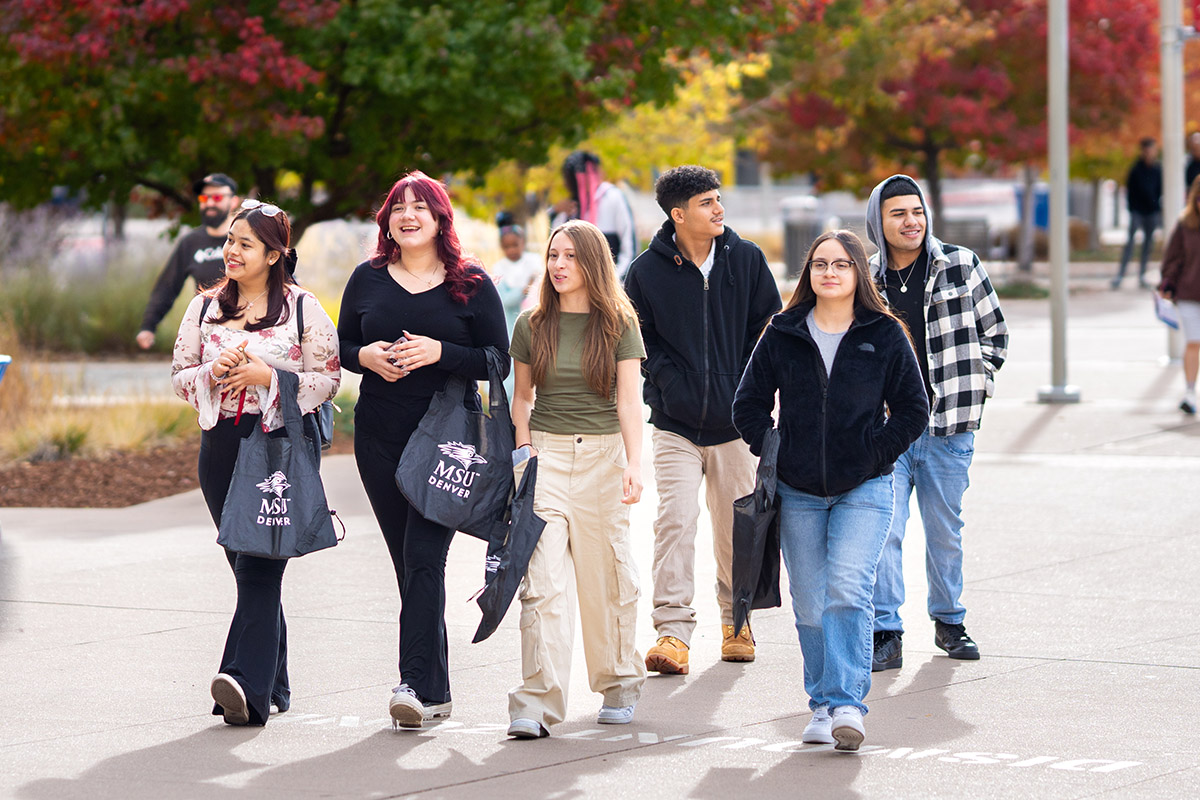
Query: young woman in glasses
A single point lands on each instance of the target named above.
(416, 312)
(232, 339)
(851, 400)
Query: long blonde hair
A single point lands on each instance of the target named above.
(610, 311)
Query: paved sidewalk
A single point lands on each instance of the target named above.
(1081, 590)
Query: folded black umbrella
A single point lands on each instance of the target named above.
(509, 551)
(756, 540)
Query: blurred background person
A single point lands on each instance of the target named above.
(1143, 195)
(1180, 283)
(197, 255)
(599, 202)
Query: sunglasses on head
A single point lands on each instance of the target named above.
(212, 198)
(268, 209)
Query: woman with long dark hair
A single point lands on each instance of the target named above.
(232, 339)
(851, 400)
(417, 311)
(577, 408)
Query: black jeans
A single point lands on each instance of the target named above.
(256, 647)
(418, 548)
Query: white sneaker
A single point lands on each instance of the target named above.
(527, 729)
(229, 695)
(818, 729)
(408, 711)
(847, 728)
(614, 715)
(1188, 406)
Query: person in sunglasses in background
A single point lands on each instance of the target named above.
(197, 255)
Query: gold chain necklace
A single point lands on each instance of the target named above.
(428, 281)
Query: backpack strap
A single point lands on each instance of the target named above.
(300, 315)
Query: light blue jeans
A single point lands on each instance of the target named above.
(936, 466)
(830, 548)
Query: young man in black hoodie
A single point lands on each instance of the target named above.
(703, 296)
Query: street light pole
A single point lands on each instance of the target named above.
(1057, 70)
(1172, 36)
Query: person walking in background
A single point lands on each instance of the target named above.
(943, 294)
(197, 254)
(837, 358)
(576, 356)
(516, 273)
(232, 339)
(1180, 283)
(1193, 165)
(703, 296)
(599, 202)
(417, 311)
(1143, 195)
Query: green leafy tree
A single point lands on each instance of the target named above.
(322, 103)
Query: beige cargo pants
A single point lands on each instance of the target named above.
(679, 465)
(584, 550)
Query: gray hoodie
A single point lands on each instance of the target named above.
(875, 221)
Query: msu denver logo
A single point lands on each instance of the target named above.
(274, 511)
(456, 480)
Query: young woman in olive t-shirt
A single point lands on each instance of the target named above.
(581, 349)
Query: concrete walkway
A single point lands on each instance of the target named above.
(1081, 589)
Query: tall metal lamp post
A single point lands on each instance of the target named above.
(1059, 391)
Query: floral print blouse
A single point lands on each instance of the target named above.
(313, 357)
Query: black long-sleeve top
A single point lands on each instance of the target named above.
(1143, 187)
(376, 308)
(198, 256)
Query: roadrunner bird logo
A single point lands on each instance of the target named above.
(276, 484)
(462, 453)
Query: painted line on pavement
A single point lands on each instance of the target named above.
(689, 740)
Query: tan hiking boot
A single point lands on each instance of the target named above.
(737, 648)
(668, 656)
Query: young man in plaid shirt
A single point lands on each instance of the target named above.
(943, 294)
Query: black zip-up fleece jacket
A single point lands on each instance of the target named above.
(699, 332)
(834, 434)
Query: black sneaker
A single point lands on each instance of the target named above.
(889, 651)
(955, 641)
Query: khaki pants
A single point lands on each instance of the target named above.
(584, 547)
(728, 472)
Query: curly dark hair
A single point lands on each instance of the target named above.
(675, 187)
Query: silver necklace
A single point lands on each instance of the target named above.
(904, 281)
(255, 300)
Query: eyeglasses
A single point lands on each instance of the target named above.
(266, 208)
(831, 266)
(212, 198)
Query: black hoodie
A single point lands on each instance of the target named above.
(834, 434)
(699, 332)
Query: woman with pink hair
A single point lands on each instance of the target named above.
(414, 313)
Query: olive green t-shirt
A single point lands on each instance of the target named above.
(564, 403)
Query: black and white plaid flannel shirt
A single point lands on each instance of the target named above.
(966, 338)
